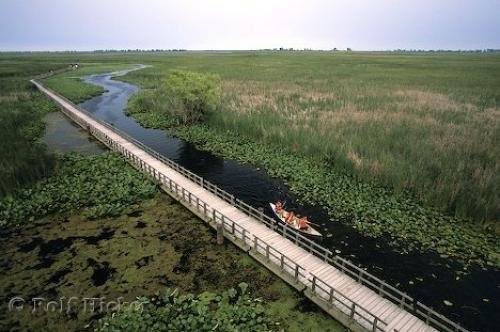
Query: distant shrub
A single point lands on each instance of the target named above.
(191, 95)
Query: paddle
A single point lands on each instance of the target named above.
(311, 223)
(314, 224)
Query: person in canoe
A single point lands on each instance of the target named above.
(303, 223)
(278, 208)
(290, 218)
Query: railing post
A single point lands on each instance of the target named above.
(232, 228)
(255, 243)
(313, 286)
(213, 215)
(330, 299)
(296, 272)
(261, 213)
(282, 262)
(205, 208)
(374, 328)
(189, 198)
(353, 310)
(267, 252)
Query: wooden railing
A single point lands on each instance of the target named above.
(354, 310)
(316, 285)
(430, 316)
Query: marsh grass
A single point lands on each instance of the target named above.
(70, 83)
(443, 151)
(23, 159)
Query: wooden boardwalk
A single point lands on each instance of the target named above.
(351, 295)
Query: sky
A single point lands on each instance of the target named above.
(41, 25)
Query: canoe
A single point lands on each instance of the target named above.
(309, 231)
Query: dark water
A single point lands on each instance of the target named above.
(58, 126)
(427, 277)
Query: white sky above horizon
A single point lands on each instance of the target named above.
(224, 24)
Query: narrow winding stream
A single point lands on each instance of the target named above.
(427, 277)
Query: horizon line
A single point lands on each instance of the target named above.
(282, 49)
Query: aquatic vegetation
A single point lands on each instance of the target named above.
(373, 210)
(102, 185)
(155, 244)
(231, 310)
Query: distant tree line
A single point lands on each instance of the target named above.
(487, 50)
(138, 50)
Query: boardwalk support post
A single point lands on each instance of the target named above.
(220, 233)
